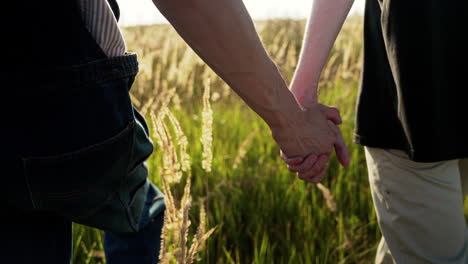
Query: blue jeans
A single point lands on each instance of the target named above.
(141, 247)
(75, 151)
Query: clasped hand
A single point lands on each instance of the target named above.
(307, 144)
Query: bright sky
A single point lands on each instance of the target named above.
(134, 12)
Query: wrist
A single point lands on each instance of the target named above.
(286, 119)
(304, 91)
(286, 134)
(305, 97)
(286, 110)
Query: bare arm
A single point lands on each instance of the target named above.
(222, 33)
(324, 24)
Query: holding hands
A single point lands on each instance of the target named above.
(224, 36)
(323, 26)
(306, 147)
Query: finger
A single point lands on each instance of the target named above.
(340, 147)
(316, 169)
(304, 166)
(333, 114)
(319, 176)
(319, 170)
(291, 161)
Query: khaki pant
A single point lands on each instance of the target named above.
(419, 208)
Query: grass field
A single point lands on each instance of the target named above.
(262, 212)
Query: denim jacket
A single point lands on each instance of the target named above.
(75, 145)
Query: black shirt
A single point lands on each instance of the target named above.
(413, 92)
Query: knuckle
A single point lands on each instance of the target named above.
(307, 174)
(302, 176)
(309, 163)
(318, 180)
(336, 110)
(301, 169)
(322, 107)
(315, 180)
(315, 170)
(322, 110)
(319, 177)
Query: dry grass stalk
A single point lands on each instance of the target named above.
(171, 164)
(161, 101)
(200, 238)
(328, 197)
(135, 101)
(186, 204)
(243, 148)
(146, 106)
(170, 227)
(182, 142)
(174, 237)
(207, 129)
(177, 102)
(346, 244)
(175, 233)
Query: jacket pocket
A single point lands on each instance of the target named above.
(77, 183)
(103, 185)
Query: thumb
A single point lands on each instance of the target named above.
(333, 114)
(340, 146)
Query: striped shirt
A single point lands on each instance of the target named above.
(102, 24)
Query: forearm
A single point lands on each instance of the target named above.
(222, 33)
(324, 24)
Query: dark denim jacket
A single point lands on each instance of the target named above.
(74, 144)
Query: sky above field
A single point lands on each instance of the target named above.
(137, 12)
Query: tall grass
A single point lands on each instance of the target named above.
(236, 180)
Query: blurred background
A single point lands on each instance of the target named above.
(143, 12)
